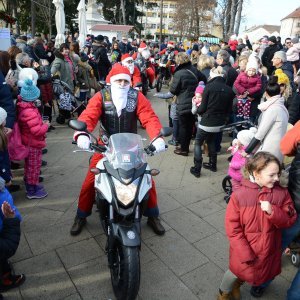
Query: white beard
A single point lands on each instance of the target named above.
(130, 67)
(119, 96)
(146, 53)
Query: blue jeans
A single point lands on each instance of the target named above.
(175, 130)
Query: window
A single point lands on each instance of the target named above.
(152, 26)
(166, 5)
(298, 25)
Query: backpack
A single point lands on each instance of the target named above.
(17, 151)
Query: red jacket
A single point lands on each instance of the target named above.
(245, 83)
(32, 128)
(255, 235)
(232, 44)
(145, 113)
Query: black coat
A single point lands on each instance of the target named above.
(9, 237)
(125, 48)
(184, 85)
(40, 52)
(230, 74)
(216, 103)
(267, 56)
(294, 180)
(6, 102)
(294, 108)
(30, 51)
(101, 57)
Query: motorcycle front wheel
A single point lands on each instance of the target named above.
(125, 272)
(158, 83)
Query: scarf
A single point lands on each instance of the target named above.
(119, 96)
(68, 59)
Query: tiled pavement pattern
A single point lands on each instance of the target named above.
(187, 263)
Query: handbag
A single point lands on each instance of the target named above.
(17, 151)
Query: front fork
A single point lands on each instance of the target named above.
(124, 234)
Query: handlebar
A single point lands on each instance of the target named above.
(97, 148)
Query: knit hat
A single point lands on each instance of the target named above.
(295, 40)
(84, 57)
(281, 55)
(200, 88)
(272, 39)
(99, 38)
(3, 115)
(29, 92)
(142, 46)
(245, 136)
(27, 73)
(171, 45)
(119, 72)
(216, 72)
(31, 42)
(125, 57)
(282, 77)
(252, 64)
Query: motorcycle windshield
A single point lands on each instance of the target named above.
(125, 151)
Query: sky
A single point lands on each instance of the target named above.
(267, 12)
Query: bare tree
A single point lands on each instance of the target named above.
(233, 9)
(123, 11)
(238, 17)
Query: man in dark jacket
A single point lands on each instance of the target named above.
(230, 74)
(214, 109)
(184, 84)
(268, 54)
(125, 46)
(100, 53)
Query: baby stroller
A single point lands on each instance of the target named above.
(67, 103)
(234, 128)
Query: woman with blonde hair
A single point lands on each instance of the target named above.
(205, 64)
(185, 81)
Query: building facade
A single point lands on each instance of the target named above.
(151, 20)
(290, 25)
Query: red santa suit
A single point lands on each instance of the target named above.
(171, 53)
(96, 110)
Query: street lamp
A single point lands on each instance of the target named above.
(161, 16)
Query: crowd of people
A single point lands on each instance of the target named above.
(211, 85)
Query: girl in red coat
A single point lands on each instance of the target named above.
(33, 130)
(255, 215)
(247, 84)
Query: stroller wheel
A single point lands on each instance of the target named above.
(226, 185)
(60, 119)
(295, 259)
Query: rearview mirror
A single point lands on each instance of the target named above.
(77, 125)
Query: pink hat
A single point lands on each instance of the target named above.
(200, 88)
(119, 72)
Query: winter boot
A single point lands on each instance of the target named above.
(236, 293)
(224, 296)
(35, 191)
(196, 169)
(77, 225)
(155, 224)
(211, 165)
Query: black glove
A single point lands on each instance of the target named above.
(254, 142)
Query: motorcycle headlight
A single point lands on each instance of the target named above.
(125, 193)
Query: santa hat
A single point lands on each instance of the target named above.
(252, 64)
(171, 45)
(3, 115)
(142, 46)
(27, 73)
(125, 57)
(200, 88)
(119, 72)
(245, 136)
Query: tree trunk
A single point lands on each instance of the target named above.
(33, 18)
(232, 17)
(227, 18)
(238, 17)
(123, 11)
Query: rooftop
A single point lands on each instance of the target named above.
(269, 28)
(111, 27)
(294, 14)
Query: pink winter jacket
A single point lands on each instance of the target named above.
(236, 164)
(245, 83)
(32, 128)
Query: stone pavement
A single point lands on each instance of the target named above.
(187, 263)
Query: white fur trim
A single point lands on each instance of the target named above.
(126, 59)
(120, 76)
(171, 45)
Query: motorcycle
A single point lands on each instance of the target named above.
(164, 74)
(122, 184)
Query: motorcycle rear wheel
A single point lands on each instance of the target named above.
(158, 83)
(125, 272)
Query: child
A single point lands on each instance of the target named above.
(238, 160)
(33, 131)
(9, 239)
(247, 85)
(255, 216)
(197, 99)
(172, 115)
